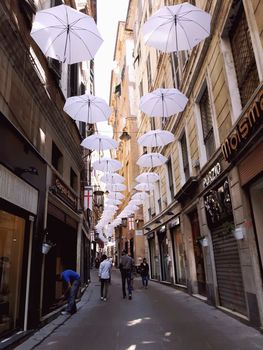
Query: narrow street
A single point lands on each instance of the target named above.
(157, 318)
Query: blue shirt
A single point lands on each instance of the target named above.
(70, 276)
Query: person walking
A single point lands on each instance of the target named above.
(144, 270)
(104, 275)
(126, 269)
(72, 280)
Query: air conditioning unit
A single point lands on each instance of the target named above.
(196, 163)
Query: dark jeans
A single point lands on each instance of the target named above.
(126, 275)
(145, 281)
(104, 284)
(71, 307)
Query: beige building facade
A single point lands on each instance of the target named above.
(202, 223)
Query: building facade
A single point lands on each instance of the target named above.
(202, 223)
(42, 173)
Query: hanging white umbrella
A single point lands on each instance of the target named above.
(87, 108)
(115, 195)
(99, 142)
(140, 196)
(112, 178)
(66, 34)
(107, 165)
(147, 177)
(132, 207)
(136, 201)
(163, 102)
(144, 187)
(175, 28)
(155, 138)
(115, 187)
(151, 160)
(113, 201)
(110, 207)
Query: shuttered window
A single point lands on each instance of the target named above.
(207, 125)
(243, 56)
(185, 157)
(170, 177)
(175, 70)
(149, 74)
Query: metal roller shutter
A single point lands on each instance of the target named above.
(228, 271)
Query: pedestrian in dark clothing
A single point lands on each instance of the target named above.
(144, 271)
(126, 269)
(72, 280)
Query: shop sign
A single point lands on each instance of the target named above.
(63, 192)
(174, 222)
(212, 175)
(245, 128)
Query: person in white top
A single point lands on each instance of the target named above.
(104, 275)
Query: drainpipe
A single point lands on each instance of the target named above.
(31, 219)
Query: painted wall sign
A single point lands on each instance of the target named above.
(212, 175)
(63, 192)
(245, 128)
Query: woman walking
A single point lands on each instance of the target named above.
(104, 275)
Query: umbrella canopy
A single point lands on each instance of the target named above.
(99, 142)
(115, 195)
(155, 138)
(147, 177)
(110, 207)
(66, 34)
(113, 201)
(107, 165)
(175, 28)
(112, 178)
(136, 201)
(87, 108)
(144, 187)
(151, 160)
(116, 187)
(140, 196)
(132, 207)
(163, 102)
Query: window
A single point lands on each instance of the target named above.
(185, 157)
(28, 8)
(207, 124)
(243, 56)
(170, 177)
(149, 75)
(73, 80)
(56, 67)
(175, 70)
(141, 88)
(152, 121)
(73, 180)
(57, 158)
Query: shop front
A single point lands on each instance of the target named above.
(165, 258)
(219, 214)
(152, 255)
(178, 252)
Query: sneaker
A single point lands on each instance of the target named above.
(130, 297)
(65, 313)
(105, 299)
(101, 298)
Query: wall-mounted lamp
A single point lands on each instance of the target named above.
(31, 170)
(125, 136)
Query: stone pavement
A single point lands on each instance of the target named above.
(157, 318)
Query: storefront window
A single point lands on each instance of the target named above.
(180, 272)
(12, 229)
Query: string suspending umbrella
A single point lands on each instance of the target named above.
(66, 34)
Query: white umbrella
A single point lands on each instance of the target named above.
(99, 142)
(66, 34)
(107, 165)
(132, 207)
(112, 178)
(115, 195)
(136, 201)
(163, 102)
(175, 28)
(144, 187)
(155, 138)
(113, 201)
(115, 187)
(147, 177)
(151, 160)
(87, 108)
(140, 196)
(111, 207)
